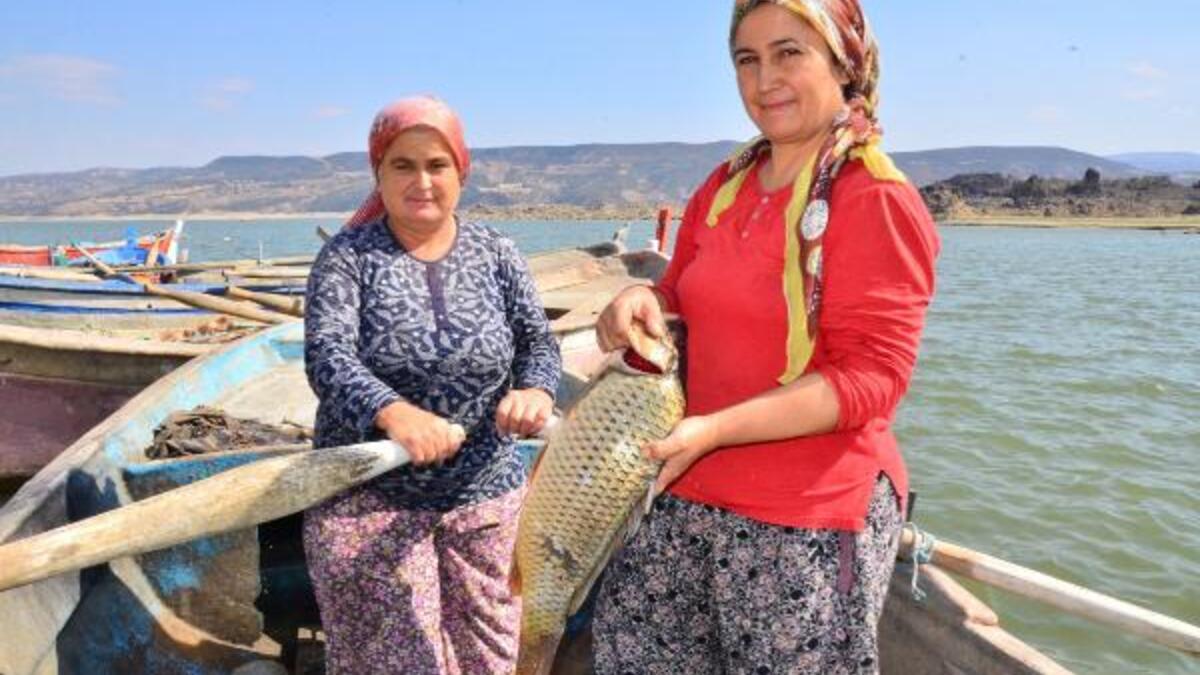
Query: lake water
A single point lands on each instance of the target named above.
(1052, 421)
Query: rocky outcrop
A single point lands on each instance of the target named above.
(993, 194)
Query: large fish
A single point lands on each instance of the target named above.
(589, 489)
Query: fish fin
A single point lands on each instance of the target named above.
(581, 593)
(649, 500)
(619, 538)
(537, 461)
(514, 578)
(538, 658)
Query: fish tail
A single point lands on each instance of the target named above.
(537, 658)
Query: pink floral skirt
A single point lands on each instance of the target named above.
(416, 592)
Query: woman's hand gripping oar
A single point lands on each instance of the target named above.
(232, 500)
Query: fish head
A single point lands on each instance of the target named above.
(647, 354)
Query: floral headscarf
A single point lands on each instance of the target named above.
(395, 119)
(845, 29)
(855, 134)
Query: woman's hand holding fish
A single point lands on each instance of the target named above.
(636, 303)
(427, 437)
(691, 439)
(524, 412)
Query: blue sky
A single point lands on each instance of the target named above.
(138, 84)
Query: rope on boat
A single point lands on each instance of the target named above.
(922, 554)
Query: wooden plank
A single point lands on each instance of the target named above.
(188, 268)
(83, 341)
(50, 273)
(267, 273)
(949, 632)
(1063, 595)
(582, 316)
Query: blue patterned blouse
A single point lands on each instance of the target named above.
(450, 336)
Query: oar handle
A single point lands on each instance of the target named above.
(103, 267)
(232, 500)
(291, 306)
(1061, 594)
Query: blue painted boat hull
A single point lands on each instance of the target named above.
(105, 305)
(152, 613)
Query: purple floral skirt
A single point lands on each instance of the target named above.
(417, 592)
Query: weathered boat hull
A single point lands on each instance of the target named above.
(103, 305)
(55, 385)
(43, 416)
(134, 615)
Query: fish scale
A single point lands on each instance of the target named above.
(589, 486)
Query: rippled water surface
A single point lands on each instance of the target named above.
(1052, 421)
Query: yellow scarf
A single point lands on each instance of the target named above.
(806, 218)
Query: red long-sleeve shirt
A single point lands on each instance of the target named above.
(727, 283)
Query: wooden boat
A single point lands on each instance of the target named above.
(570, 278)
(237, 599)
(63, 381)
(160, 247)
(240, 602)
(57, 384)
(108, 305)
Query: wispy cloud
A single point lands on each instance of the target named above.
(1149, 82)
(1144, 70)
(65, 77)
(1047, 114)
(224, 94)
(1182, 111)
(1142, 94)
(330, 111)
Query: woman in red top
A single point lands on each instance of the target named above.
(803, 270)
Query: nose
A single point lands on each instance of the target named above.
(768, 76)
(424, 179)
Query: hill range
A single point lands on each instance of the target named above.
(579, 180)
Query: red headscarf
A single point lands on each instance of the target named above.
(395, 119)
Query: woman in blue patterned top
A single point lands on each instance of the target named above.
(428, 330)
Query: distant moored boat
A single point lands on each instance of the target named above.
(161, 248)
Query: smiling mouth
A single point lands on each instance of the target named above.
(776, 107)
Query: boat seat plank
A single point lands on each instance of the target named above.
(281, 396)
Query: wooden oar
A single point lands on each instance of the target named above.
(189, 268)
(262, 272)
(288, 305)
(1061, 594)
(235, 499)
(201, 300)
(51, 273)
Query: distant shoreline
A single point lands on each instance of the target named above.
(140, 217)
(1185, 223)
(485, 215)
(1175, 223)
